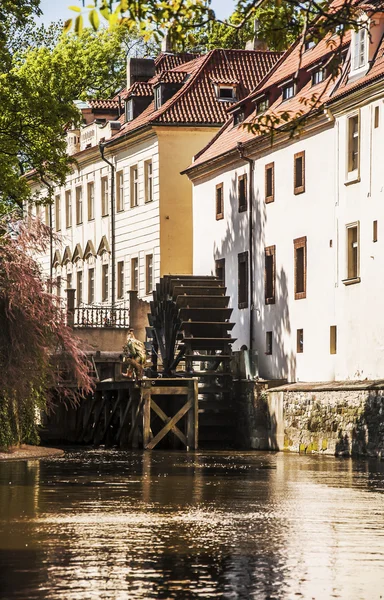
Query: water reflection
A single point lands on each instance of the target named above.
(108, 524)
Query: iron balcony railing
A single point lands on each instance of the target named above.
(101, 316)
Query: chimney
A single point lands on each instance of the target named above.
(139, 69)
(256, 43)
(166, 43)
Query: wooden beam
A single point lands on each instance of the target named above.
(184, 409)
(156, 408)
(169, 391)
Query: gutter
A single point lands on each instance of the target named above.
(241, 151)
(101, 148)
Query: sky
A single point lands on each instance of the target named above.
(53, 10)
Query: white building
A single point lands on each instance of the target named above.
(148, 134)
(310, 301)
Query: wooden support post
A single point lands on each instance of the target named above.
(135, 421)
(134, 407)
(193, 416)
(123, 420)
(175, 419)
(146, 396)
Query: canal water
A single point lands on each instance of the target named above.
(121, 525)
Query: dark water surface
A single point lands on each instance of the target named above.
(122, 525)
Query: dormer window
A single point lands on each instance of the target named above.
(318, 76)
(157, 94)
(288, 91)
(239, 117)
(129, 110)
(308, 44)
(262, 105)
(226, 93)
(359, 49)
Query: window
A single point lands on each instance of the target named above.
(58, 287)
(104, 196)
(91, 200)
(243, 280)
(353, 144)
(79, 287)
(57, 213)
(300, 249)
(300, 341)
(238, 117)
(269, 183)
(129, 110)
(134, 186)
(47, 220)
(288, 91)
(79, 205)
(148, 181)
(220, 269)
(353, 258)
(299, 173)
(262, 106)
(374, 233)
(68, 209)
(318, 76)
(120, 279)
(104, 282)
(69, 281)
(359, 49)
(308, 44)
(333, 339)
(219, 201)
(242, 192)
(157, 92)
(270, 274)
(119, 191)
(377, 117)
(268, 342)
(149, 273)
(135, 274)
(91, 286)
(226, 93)
(38, 210)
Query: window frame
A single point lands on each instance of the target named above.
(105, 282)
(352, 174)
(120, 190)
(289, 86)
(148, 274)
(68, 209)
(319, 71)
(120, 269)
(219, 213)
(220, 266)
(104, 182)
(91, 285)
(129, 110)
(91, 200)
(79, 287)
(57, 212)
(148, 181)
(299, 243)
(243, 207)
(79, 204)
(358, 67)
(269, 197)
(134, 185)
(269, 343)
(299, 189)
(135, 273)
(355, 276)
(242, 258)
(333, 339)
(270, 251)
(300, 341)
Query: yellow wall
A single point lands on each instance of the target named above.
(177, 146)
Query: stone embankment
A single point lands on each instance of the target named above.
(25, 452)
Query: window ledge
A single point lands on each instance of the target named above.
(351, 281)
(243, 208)
(353, 177)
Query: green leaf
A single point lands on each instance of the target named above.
(67, 25)
(75, 8)
(79, 24)
(94, 19)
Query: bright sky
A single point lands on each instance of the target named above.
(53, 10)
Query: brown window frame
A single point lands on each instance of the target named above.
(242, 206)
(105, 282)
(120, 270)
(91, 200)
(299, 189)
(242, 258)
(104, 182)
(333, 339)
(220, 265)
(57, 205)
(79, 204)
(353, 253)
(91, 285)
(120, 191)
(270, 251)
(134, 185)
(300, 341)
(148, 274)
(268, 343)
(270, 197)
(135, 270)
(374, 232)
(299, 243)
(219, 213)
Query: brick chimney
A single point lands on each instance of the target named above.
(139, 69)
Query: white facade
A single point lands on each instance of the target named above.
(333, 202)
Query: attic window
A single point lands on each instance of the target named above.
(262, 105)
(359, 49)
(129, 110)
(239, 117)
(157, 94)
(318, 76)
(308, 44)
(226, 93)
(288, 91)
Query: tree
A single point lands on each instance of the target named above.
(36, 346)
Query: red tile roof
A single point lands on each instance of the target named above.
(139, 88)
(104, 104)
(167, 60)
(196, 101)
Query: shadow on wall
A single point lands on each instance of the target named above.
(363, 431)
(275, 318)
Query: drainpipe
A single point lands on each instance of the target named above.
(50, 247)
(240, 149)
(101, 147)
